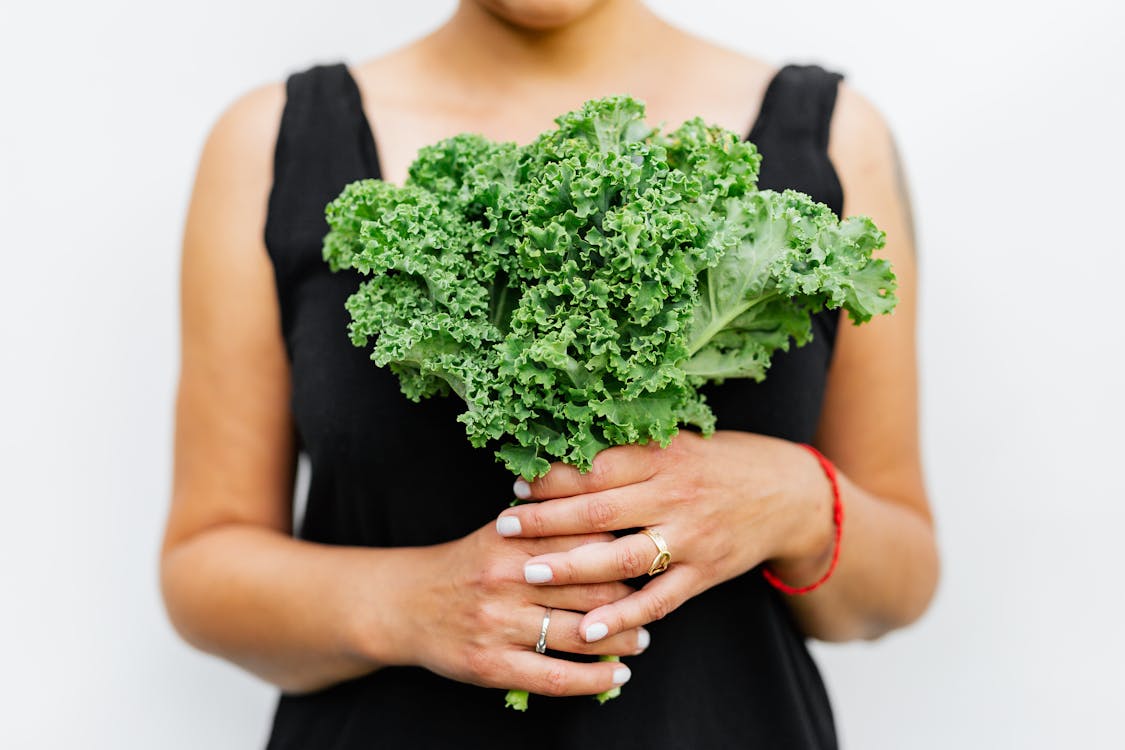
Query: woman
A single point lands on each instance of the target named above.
(405, 595)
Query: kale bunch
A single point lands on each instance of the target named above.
(576, 291)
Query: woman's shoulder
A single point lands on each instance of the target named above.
(858, 125)
(234, 174)
(243, 135)
(232, 183)
(862, 147)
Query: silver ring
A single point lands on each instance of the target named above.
(541, 645)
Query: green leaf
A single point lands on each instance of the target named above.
(524, 461)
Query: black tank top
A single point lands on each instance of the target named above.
(728, 669)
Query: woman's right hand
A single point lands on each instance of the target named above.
(468, 614)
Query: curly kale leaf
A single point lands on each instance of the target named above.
(785, 257)
(577, 290)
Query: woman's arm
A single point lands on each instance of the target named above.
(235, 582)
(869, 421)
(731, 502)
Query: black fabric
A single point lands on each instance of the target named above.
(728, 669)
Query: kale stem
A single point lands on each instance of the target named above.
(723, 321)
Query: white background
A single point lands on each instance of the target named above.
(1009, 117)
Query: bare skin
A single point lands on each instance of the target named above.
(238, 585)
(443, 84)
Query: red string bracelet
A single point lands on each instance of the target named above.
(837, 516)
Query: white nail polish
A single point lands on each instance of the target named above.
(596, 632)
(621, 675)
(537, 573)
(508, 526)
(643, 639)
(521, 489)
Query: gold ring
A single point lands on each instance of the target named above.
(663, 557)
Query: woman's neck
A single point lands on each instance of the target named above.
(614, 38)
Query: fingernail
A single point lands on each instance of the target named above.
(538, 573)
(596, 632)
(508, 526)
(643, 639)
(521, 489)
(621, 675)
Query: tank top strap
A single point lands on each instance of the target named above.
(324, 142)
(792, 132)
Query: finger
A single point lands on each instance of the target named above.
(546, 675)
(562, 542)
(582, 597)
(661, 595)
(608, 510)
(563, 635)
(627, 557)
(613, 467)
(507, 567)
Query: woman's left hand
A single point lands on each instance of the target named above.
(723, 504)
